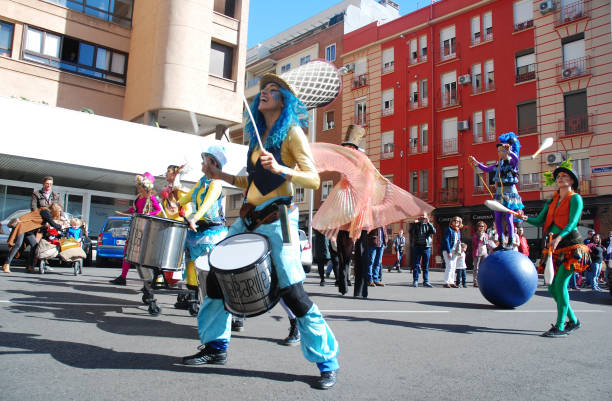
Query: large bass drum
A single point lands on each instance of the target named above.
(243, 267)
(156, 242)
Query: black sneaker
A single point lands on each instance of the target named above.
(327, 380)
(554, 332)
(426, 284)
(294, 335)
(207, 355)
(118, 281)
(238, 325)
(322, 283)
(570, 326)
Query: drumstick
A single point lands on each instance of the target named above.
(545, 145)
(498, 207)
(253, 121)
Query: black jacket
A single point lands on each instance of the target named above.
(422, 234)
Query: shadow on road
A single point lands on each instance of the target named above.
(86, 356)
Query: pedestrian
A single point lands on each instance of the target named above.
(523, 246)
(422, 232)
(45, 196)
(321, 254)
(399, 243)
(559, 218)
(461, 267)
(480, 248)
(286, 160)
(589, 237)
(596, 251)
(451, 249)
(377, 240)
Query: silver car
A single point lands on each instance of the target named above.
(5, 230)
(306, 250)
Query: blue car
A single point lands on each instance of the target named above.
(111, 241)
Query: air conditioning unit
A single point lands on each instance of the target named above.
(463, 125)
(465, 79)
(546, 6)
(567, 72)
(554, 158)
(350, 67)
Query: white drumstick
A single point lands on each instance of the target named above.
(545, 145)
(498, 207)
(246, 104)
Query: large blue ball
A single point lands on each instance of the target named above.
(507, 278)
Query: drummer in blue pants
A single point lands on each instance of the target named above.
(272, 172)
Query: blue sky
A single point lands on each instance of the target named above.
(269, 17)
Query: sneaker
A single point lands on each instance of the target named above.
(554, 332)
(118, 281)
(207, 355)
(426, 284)
(571, 326)
(238, 325)
(415, 284)
(327, 380)
(322, 283)
(464, 286)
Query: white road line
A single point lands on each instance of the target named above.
(51, 303)
(549, 311)
(380, 311)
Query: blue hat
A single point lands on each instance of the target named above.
(511, 139)
(217, 152)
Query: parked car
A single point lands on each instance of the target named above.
(112, 238)
(306, 251)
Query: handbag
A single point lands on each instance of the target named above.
(69, 243)
(46, 250)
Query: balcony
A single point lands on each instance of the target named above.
(529, 129)
(360, 81)
(523, 25)
(572, 12)
(449, 195)
(525, 73)
(387, 111)
(448, 51)
(479, 38)
(360, 120)
(490, 136)
(571, 69)
(576, 125)
(388, 67)
(480, 190)
(449, 146)
(529, 186)
(488, 86)
(448, 98)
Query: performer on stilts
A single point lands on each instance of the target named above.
(560, 217)
(506, 176)
(272, 172)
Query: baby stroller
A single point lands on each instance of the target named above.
(66, 251)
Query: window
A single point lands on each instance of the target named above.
(236, 201)
(525, 65)
(226, 7)
(326, 187)
(424, 94)
(298, 196)
(414, 95)
(447, 43)
(526, 114)
(424, 137)
(449, 89)
(414, 181)
(6, 38)
(523, 14)
(490, 125)
(328, 120)
(360, 112)
(476, 79)
(489, 75)
(285, 68)
(75, 56)
(576, 114)
(221, 60)
(423, 47)
(449, 135)
(359, 76)
(582, 167)
(388, 60)
(450, 184)
(477, 126)
(487, 25)
(330, 52)
(530, 181)
(115, 11)
(476, 30)
(387, 102)
(574, 60)
(305, 59)
(414, 55)
(414, 139)
(387, 144)
(424, 184)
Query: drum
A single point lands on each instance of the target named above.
(243, 267)
(156, 242)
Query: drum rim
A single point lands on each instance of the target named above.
(164, 219)
(244, 268)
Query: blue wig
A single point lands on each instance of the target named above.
(512, 139)
(293, 113)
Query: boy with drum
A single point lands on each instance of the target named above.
(286, 160)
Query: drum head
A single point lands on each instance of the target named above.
(238, 251)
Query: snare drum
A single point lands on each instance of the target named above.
(243, 267)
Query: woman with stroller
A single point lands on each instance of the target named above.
(25, 228)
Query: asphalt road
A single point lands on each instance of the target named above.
(80, 338)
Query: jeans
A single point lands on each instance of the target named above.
(398, 262)
(593, 275)
(461, 276)
(421, 253)
(374, 261)
(31, 239)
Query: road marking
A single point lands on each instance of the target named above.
(549, 311)
(51, 303)
(380, 311)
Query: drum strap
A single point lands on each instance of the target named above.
(296, 299)
(254, 218)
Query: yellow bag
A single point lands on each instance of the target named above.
(69, 243)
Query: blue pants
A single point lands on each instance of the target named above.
(317, 340)
(398, 262)
(421, 253)
(374, 263)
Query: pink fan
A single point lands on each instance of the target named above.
(363, 199)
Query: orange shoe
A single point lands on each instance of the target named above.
(6, 268)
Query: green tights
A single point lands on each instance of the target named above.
(558, 290)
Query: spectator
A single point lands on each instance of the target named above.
(523, 245)
(399, 243)
(596, 251)
(461, 267)
(334, 262)
(451, 250)
(321, 254)
(480, 248)
(45, 196)
(589, 237)
(607, 245)
(422, 232)
(377, 240)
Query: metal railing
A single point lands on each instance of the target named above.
(360, 81)
(527, 129)
(529, 186)
(388, 67)
(523, 25)
(572, 12)
(448, 98)
(525, 73)
(449, 195)
(448, 52)
(575, 125)
(449, 146)
(574, 68)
